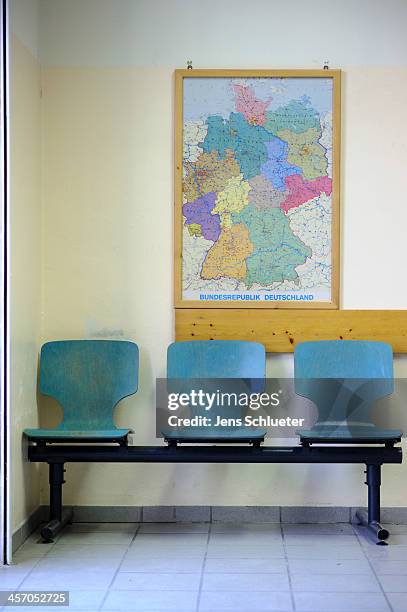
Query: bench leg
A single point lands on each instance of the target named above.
(58, 516)
(371, 518)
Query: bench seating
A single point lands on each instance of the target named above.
(87, 378)
(117, 372)
(344, 378)
(208, 360)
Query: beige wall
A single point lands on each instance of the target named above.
(25, 267)
(108, 269)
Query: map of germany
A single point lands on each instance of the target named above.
(257, 189)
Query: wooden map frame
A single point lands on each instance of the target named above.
(179, 302)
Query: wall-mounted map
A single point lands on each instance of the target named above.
(258, 197)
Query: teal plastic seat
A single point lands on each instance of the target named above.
(203, 360)
(344, 378)
(88, 378)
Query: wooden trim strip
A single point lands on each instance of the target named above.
(281, 330)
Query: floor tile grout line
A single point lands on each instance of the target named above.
(331, 591)
(118, 569)
(39, 558)
(198, 601)
(358, 536)
(288, 569)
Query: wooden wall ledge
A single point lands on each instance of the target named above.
(281, 330)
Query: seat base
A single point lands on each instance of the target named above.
(353, 435)
(68, 435)
(227, 436)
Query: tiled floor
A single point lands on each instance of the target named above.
(211, 568)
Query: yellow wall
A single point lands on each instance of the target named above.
(25, 268)
(106, 206)
(108, 263)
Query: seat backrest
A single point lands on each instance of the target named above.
(357, 373)
(199, 362)
(88, 378)
(216, 359)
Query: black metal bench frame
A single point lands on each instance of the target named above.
(56, 455)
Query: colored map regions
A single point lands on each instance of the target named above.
(263, 195)
(305, 152)
(195, 229)
(311, 222)
(297, 116)
(194, 250)
(227, 257)
(208, 173)
(253, 110)
(277, 251)
(300, 191)
(234, 197)
(277, 168)
(199, 213)
(245, 140)
(257, 186)
(194, 132)
(326, 140)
